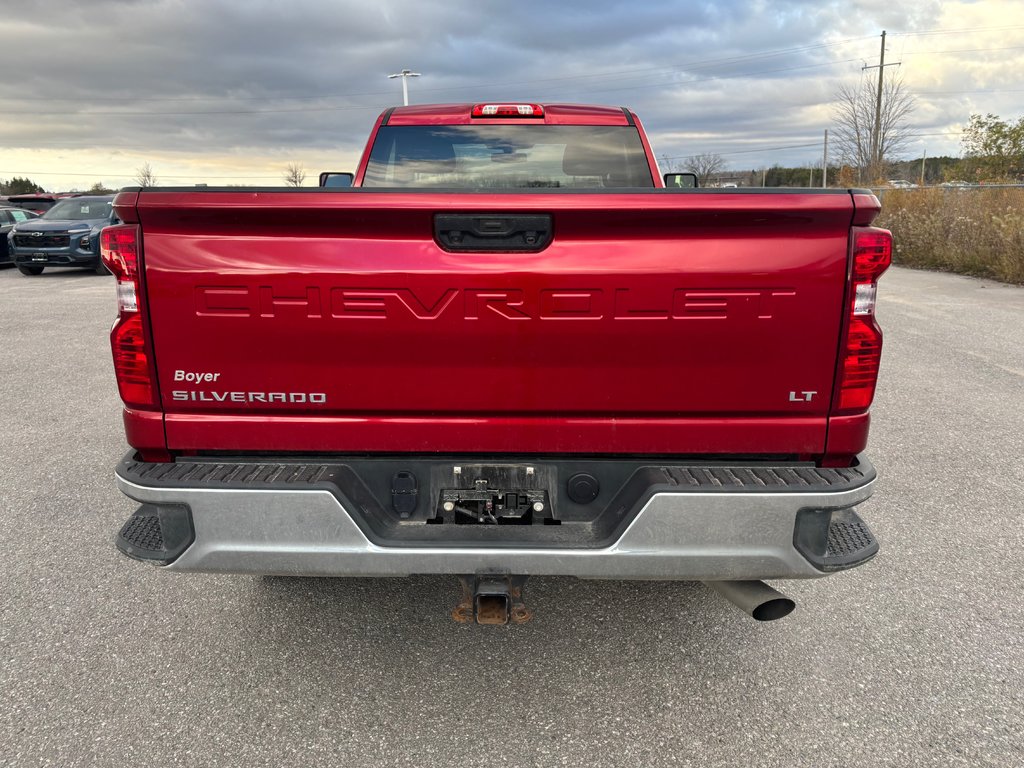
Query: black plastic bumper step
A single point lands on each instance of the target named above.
(157, 534)
(834, 540)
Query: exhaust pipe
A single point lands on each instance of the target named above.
(754, 598)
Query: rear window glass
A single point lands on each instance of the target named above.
(508, 157)
(78, 209)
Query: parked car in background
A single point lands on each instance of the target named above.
(37, 203)
(10, 216)
(900, 184)
(67, 235)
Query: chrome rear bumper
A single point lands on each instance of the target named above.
(707, 536)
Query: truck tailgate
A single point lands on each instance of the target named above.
(654, 322)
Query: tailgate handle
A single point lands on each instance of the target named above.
(497, 233)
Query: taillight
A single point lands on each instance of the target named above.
(508, 110)
(862, 344)
(119, 249)
(131, 361)
(120, 252)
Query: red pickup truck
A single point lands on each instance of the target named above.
(507, 350)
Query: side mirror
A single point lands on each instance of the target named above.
(681, 180)
(335, 179)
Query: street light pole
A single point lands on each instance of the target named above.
(405, 74)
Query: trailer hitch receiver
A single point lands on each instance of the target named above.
(492, 599)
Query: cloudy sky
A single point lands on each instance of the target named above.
(231, 91)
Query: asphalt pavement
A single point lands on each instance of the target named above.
(916, 659)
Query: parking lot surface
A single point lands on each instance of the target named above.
(916, 659)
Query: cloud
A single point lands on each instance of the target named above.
(239, 88)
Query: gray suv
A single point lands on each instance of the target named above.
(67, 235)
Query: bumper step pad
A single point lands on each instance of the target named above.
(849, 539)
(157, 534)
(834, 540)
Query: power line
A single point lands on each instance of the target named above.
(363, 107)
(699, 64)
(818, 143)
(130, 174)
(725, 77)
(966, 50)
(978, 90)
(789, 69)
(80, 113)
(772, 149)
(961, 30)
(747, 151)
(377, 107)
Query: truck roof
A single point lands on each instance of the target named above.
(554, 114)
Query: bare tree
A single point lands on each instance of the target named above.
(668, 164)
(294, 174)
(144, 176)
(853, 116)
(704, 165)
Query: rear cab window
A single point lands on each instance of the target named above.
(78, 209)
(508, 157)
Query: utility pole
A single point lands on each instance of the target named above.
(405, 74)
(924, 154)
(876, 135)
(824, 163)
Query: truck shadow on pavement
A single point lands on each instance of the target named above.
(419, 607)
(392, 642)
